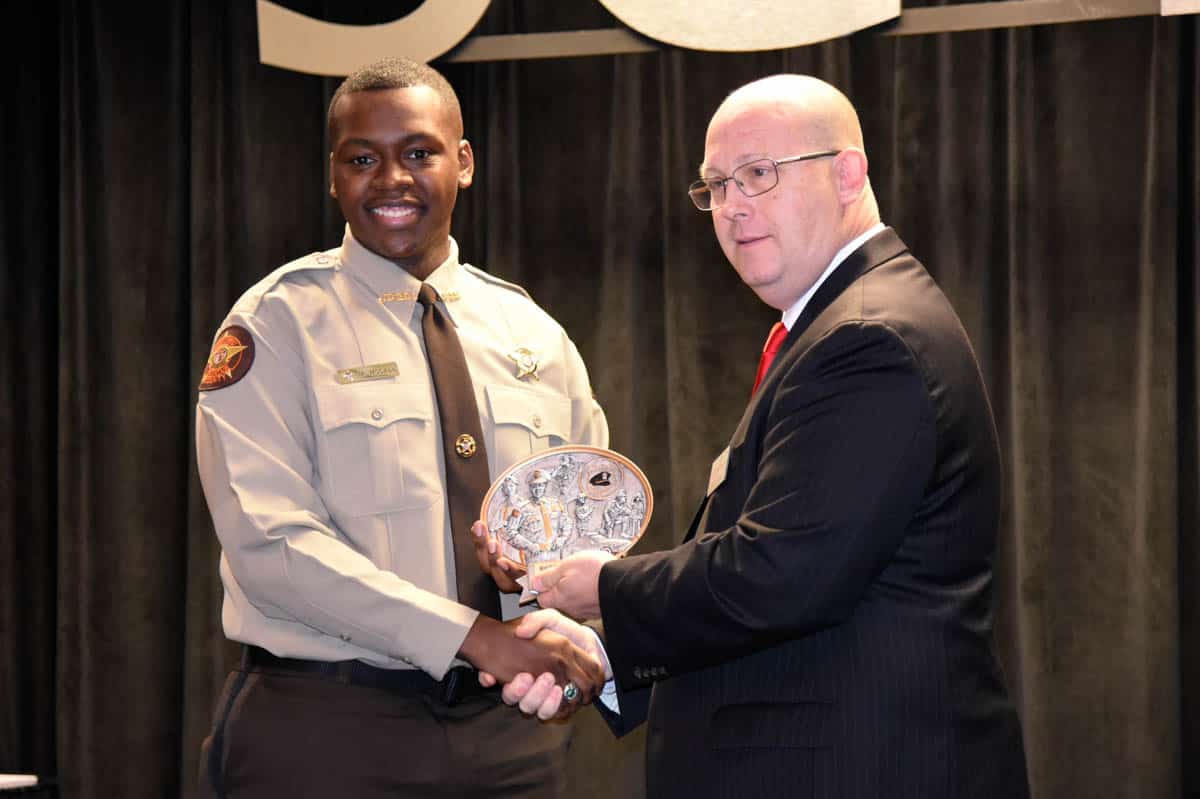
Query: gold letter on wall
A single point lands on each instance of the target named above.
(294, 41)
(303, 44)
(1171, 7)
(750, 24)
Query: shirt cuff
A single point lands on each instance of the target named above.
(608, 695)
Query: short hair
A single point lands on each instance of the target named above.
(396, 73)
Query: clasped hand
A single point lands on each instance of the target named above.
(571, 586)
(543, 696)
(509, 652)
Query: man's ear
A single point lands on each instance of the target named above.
(851, 165)
(466, 164)
(332, 188)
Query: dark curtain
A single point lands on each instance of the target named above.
(154, 170)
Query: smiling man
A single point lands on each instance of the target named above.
(824, 629)
(354, 409)
(397, 163)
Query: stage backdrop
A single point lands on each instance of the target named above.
(154, 169)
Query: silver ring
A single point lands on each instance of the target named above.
(570, 692)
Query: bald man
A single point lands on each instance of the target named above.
(824, 629)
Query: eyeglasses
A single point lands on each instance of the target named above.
(752, 179)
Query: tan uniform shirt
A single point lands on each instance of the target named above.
(328, 498)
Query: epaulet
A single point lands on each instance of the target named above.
(488, 277)
(312, 261)
(315, 260)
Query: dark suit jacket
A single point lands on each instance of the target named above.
(824, 630)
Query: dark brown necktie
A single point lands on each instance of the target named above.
(467, 478)
(770, 350)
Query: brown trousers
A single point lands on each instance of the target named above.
(296, 735)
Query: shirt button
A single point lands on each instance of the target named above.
(537, 421)
(377, 414)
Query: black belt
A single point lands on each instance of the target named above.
(459, 683)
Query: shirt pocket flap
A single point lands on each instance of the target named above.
(375, 404)
(541, 413)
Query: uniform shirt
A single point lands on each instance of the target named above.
(328, 497)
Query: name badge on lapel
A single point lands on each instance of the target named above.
(716, 474)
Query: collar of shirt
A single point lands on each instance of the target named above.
(394, 286)
(793, 313)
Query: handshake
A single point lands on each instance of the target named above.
(548, 663)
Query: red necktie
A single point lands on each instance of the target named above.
(774, 341)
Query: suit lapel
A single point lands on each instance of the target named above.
(883, 247)
(878, 250)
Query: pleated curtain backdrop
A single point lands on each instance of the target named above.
(154, 170)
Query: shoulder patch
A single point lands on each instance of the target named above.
(230, 359)
(488, 277)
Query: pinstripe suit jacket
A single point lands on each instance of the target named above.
(824, 629)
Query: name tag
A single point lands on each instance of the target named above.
(716, 475)
(360, 374)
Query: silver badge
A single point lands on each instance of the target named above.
(527, 363)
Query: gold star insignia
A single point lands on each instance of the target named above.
(224, 353)
(465, 446)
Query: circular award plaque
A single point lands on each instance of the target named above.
(565, 500)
